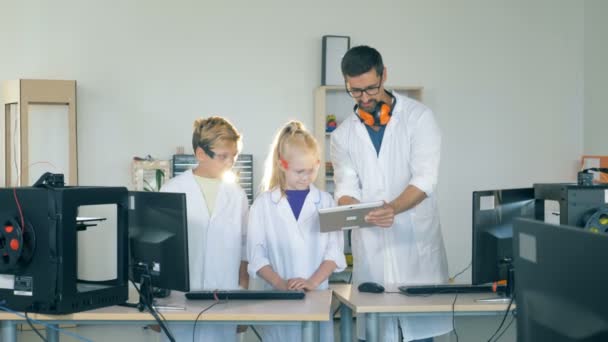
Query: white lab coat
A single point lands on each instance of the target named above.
(294, 249)
(216, 246)
(412, 250)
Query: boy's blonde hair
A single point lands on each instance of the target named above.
(293, 134)
(209, 132)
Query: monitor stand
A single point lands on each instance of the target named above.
(147, 295)
(501, 299)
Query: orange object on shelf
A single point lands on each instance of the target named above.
(596, 161)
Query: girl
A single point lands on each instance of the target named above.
(284, 246)
(217, 214)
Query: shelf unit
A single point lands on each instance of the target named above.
(242, 168)
(39, 130)
(335, 100)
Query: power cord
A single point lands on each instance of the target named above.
(217, 301)
(34, 321)
(256, 333)
(451, 279)
(507, 327)
(151, 287)
(29, 322)
(155, 314)
(503, 319)
(454, 317)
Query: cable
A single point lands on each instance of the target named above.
(199, 315)
(454, 317)
(162, 324)
(50, 326)
(154, 314)
(503, 319)
(505, 329)
(451, 279)
(256, 333)
(337, 309)
(150, 307)
(29, 322)
(19, 207)
(42, 162)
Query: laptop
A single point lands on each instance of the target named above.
(346, 216)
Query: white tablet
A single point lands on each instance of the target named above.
(346, 216)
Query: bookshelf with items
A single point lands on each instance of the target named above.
(242, 169)
(332, 105)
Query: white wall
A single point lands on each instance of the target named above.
(505, 79)
(596, 76)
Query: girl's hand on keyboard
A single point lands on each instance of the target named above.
(300, 284)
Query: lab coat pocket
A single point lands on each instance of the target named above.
(426, 233)
(426, 226)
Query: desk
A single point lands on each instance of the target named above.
(308, 312)
(373, 305)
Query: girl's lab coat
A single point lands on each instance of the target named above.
(412, 250)
(294, 249)
(216, 246)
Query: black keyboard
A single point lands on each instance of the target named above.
(448, 288)
(245, 295)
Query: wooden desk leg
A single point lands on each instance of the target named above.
(372, 327)
(52, 335)
(9, 331)
(346, 323)
(310, 331)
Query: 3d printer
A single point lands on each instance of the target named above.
(38, 247)
(582, 205)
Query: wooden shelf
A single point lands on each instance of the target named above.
(23, 146)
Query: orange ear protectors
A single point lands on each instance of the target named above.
(380, 116)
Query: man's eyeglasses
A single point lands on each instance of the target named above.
(354, 92)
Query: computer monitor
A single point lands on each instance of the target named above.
(561, 282)
(493, 215)
(158, 241)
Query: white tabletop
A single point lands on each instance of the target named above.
(396, 302)
(314, 307)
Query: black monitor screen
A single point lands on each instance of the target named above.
(493, 215)
(560, 283)
(158, 239)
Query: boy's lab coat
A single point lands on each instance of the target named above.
(216, 246)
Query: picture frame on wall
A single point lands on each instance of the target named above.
(334, 48)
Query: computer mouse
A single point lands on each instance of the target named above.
(371, 287)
